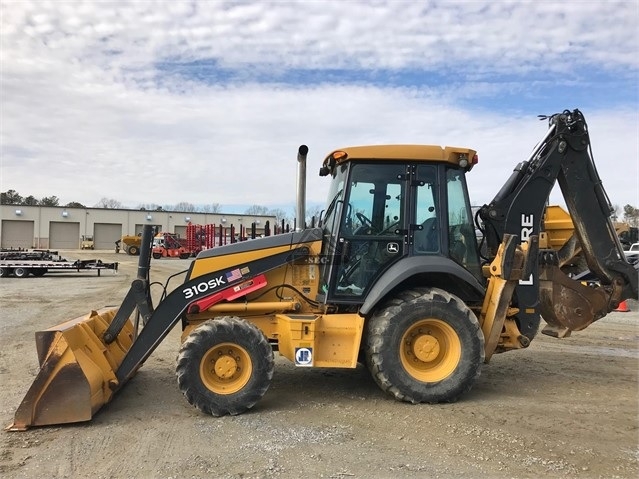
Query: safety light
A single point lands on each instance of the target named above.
(339, 155)
(465, 163)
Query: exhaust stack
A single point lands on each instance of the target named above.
(301, 188)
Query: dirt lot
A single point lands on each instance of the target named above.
(561, 408)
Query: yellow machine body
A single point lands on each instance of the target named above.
(333, 339)
(408, 281)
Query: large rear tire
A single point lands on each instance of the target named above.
(424, 346)
(225, 366)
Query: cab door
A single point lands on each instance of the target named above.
(372, 232)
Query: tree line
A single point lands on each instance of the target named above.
(630, 215)
(12, 197)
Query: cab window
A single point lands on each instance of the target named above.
(426, 238)
(462, 242)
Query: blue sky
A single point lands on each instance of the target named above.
(207, 102)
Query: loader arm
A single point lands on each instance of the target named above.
(85, 361)
(169, 311)
(563, 156)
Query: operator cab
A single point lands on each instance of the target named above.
(391, 203)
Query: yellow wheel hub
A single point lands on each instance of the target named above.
(430, 350)
(426, 348)
(225, 368)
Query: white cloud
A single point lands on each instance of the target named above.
(83, 115)
(473, 36)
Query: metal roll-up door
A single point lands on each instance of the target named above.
(106, 234)
(139, 228)
(181, 231)
(64, 235)
(17, 234)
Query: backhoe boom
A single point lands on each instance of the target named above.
(563, 156)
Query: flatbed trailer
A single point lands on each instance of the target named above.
(21, 268)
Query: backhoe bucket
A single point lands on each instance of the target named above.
(77, 371)
(567, 305)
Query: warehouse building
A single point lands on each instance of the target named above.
(57, 227)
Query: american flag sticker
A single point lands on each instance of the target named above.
(233, 275)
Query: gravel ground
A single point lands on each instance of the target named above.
(561, 408)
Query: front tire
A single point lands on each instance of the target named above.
(425, 346)
(133, 250)
(225, 366)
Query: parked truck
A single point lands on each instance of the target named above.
(86, 242)
(168, 245)
(130, 244)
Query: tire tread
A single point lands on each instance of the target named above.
(378, 329)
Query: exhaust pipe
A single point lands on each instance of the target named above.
(300, 224)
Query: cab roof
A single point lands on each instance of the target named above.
(426, 153)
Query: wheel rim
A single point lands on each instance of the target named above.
(225, 368)
(20, 272)
(430, 350)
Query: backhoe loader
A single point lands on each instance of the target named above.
(392, 278)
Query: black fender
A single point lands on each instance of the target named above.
(412, 269)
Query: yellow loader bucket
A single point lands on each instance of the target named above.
(77, 371)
